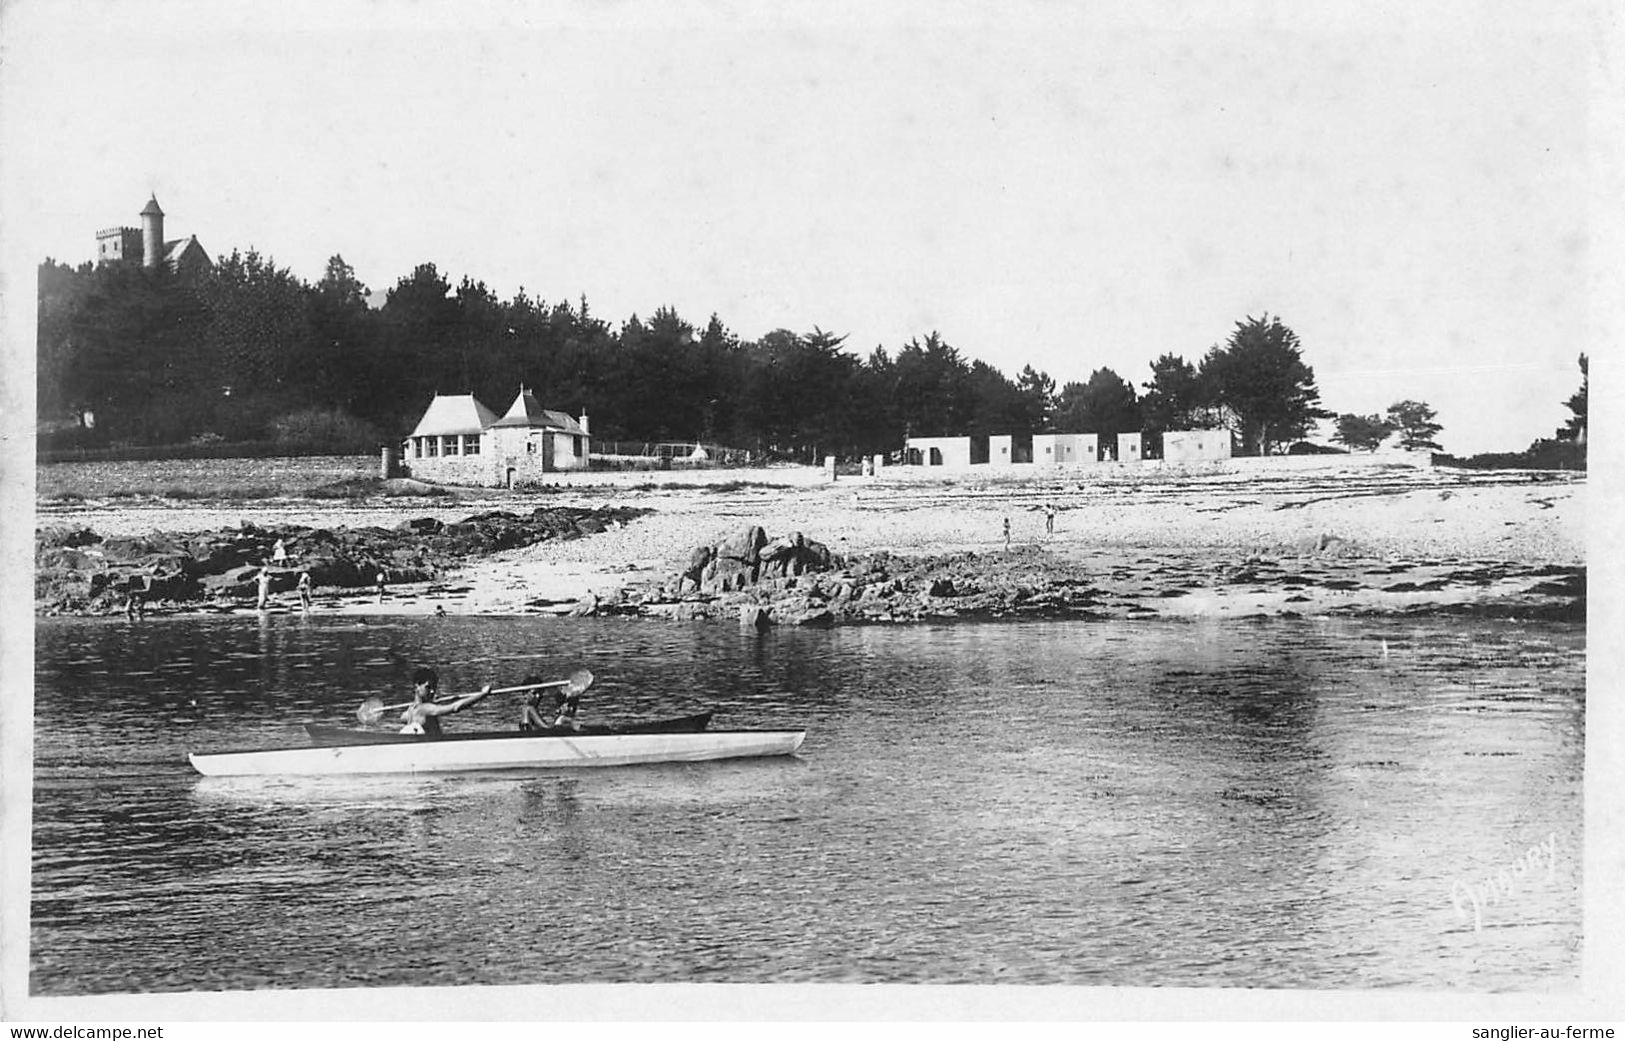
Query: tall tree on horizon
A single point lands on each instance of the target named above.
(997, 406)
(1175, 397)
(1578, 404)
(931, 388)
(1261, 377)
(419, 321)
(1036, 391)
(1105, 405)
(1414, 422)
(339, 358)
(1362, 433)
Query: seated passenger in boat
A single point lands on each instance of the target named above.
(423, 715)
(530, 717)
(564, 707)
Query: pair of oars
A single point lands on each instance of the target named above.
(373, 709)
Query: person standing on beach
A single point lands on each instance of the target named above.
(304, 591)
(1007, 533)
(265, 584)
(1049, 518)
(380, 587)
(279, 553)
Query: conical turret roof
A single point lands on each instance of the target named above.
(527, 411)
(151, 209)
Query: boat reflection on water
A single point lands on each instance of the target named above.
(652, 785)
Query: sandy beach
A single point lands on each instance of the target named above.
(1248, 538)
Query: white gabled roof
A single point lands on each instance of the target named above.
(454, 414)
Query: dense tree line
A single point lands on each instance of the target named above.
(251, 352)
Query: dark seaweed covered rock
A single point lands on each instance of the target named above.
(48, 538)
(79, 572)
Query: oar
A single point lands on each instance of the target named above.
(373, 709)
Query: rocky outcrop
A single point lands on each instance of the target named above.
(794, 581)
(77, 571)
(760, 580)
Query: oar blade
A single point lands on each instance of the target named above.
(370, 711)
(580, 680)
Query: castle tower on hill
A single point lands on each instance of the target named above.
(118, 244)
(184, 256)
(152, 232)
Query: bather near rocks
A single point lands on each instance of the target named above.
(760, 579)
(77, 571)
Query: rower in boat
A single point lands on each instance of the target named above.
(422, 716)
(566, 700)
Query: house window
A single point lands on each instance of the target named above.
(448, 444)
(530, 447)
(432, 445)
(580, 448)
(471, 444)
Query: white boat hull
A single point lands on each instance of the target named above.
(516, 753)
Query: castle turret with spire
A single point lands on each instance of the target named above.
(152, 233)
(183, 256)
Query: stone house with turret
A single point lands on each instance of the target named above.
(461, 441)
(185, 257)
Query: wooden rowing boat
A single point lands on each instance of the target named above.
(327, 735)
(499, 751)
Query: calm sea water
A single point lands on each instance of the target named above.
(1290, 803)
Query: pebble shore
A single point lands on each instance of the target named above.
(1217, 543)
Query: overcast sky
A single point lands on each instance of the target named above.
(1070, 186)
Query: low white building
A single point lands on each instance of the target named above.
(1065, 449)
(448, 443)
(1002, 450)
(951, 452)
(1191, 446)
(461, 441)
